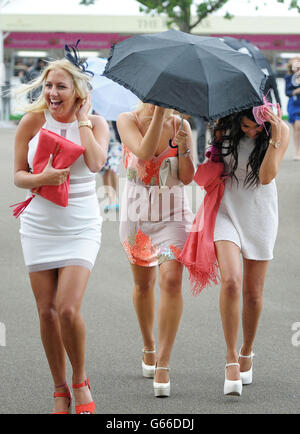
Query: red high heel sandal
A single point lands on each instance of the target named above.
(88, 408)
(64, 395)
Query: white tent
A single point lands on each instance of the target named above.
(123, 16)
(69, 7)
(64, 15)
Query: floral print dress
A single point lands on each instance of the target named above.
(155, 214)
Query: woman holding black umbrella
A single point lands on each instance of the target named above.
(252, 144)
(155, 221)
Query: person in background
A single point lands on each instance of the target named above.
(31, 74)
(200, 125)
(110, 171)
(292, 90)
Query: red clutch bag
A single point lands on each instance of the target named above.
(65, 153)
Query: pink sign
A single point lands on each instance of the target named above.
(103, 41)
(46, 41)
(271, 42)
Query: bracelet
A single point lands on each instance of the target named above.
(185, 153)
(276, 145)
(85, 124)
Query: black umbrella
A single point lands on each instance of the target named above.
(261, 61)
(196, 75)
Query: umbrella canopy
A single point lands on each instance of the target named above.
(261, 61)
(196, 75)
(109, 99)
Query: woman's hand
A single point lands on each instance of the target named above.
(158, 108)
(296, 91)
(52, 176)
(275, 121)
(280, 136)
(84, 108)
(181, 140)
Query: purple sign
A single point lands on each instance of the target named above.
(103, 41)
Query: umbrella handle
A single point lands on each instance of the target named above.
(181, 123)
(171, 142)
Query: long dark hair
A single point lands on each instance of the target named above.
(228, 130)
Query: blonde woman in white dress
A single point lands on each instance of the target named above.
(60, 244)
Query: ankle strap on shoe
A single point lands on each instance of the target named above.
(83, 384)
(63, 394)
(161, 368)
(246, 357)
(231, 364)
(149, 351)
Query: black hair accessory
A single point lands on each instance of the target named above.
(72, 55)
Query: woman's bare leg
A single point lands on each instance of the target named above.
(72, 282)
(296, 136)
(144, 304)
(110, 182)
(228, 255)
(169, 313)
(44, 286)
(253, 286)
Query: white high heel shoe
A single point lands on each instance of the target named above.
(247, 376)
(148, 370)
(233, 388)
(162, 389)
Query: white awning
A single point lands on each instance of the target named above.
(123, 16)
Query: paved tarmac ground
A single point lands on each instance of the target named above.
(114, 345)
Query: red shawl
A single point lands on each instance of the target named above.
(198, 253)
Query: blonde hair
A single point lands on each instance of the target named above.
(81, 82)
(290, 64)
(143, 105)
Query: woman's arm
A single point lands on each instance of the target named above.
(288, 85)
(185, 153)
(27, 129)
(143, 147)
(271, 162)
(96, 140)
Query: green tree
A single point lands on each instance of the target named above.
(180, 14)
(179, 11)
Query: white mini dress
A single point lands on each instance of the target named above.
(248, 216)
(53, 236)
